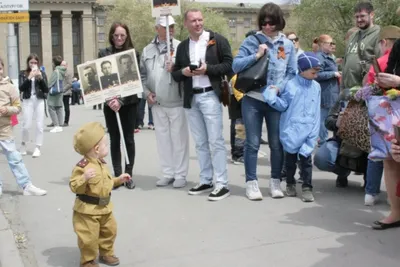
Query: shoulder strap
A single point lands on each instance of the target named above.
(82, 163)
(258, 38)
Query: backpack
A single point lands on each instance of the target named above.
(58, 87)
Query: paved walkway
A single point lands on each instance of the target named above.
(164, 227)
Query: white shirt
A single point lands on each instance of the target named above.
(197, 52)
(33, 91)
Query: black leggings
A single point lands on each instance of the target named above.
(128, 118)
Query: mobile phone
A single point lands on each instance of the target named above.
(397, 132)
(375, 65)
(193, 67)
(34, 67)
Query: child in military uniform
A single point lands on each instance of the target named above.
(91, 181)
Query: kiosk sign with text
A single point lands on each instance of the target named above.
(14, 5)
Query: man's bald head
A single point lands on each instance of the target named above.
(64, 63)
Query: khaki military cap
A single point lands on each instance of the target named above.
(88, 136)
(389, 32)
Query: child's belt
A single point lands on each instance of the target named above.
(101, 201)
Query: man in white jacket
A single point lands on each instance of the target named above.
(163, 94)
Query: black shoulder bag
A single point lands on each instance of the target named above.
(254, 77)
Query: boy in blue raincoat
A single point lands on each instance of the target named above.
(299, 103)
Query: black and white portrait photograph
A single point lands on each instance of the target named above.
(127, 68)
(89, 78)
(108, 72)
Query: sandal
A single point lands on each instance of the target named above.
(377, 225)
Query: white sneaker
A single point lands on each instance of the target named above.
(370, 200)
(252, 190)
(22, 150)
(56, 129)
(275, 188)
(36, 153)
(31, 190)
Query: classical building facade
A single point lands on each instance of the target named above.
(56, 27)
(75, 29)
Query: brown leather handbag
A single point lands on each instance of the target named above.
(354, 128)
(225, 94)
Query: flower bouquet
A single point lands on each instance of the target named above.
(383, 112)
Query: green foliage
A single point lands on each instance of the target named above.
(336, 17)
(137, 15)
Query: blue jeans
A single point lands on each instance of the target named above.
(254, 112)
(205, 121)
(325, 159)
(14, 159)
(374, 177)
(323, 132)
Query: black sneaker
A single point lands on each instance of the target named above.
(201, 188)
(219, 193)
(130, 184)
(237, 161)
(342, 181)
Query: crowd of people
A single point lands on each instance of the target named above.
(301, 96)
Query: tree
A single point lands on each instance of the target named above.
(137, 15)
(336, 17)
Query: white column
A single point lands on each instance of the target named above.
(3, 45)
(47, 47)
(24, 44)
(68, 53)
(88, 37)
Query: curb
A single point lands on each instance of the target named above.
(9, 253)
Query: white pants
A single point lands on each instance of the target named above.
(33, 108)
(172, 135)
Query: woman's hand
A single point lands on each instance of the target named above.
(387, 80)
(38, 74)
(262, 49)
(114, 105)
(32, 74)
(395, 150)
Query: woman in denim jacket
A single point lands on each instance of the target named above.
(328, 79)
(282, 67)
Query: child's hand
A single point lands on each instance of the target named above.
(89, 174)
(3, 111)
(273, 87)
(124, 177)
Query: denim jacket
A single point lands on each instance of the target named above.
(280, 69)
(329, 83)
(300, 120)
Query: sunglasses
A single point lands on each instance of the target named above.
(294, 39)
(268, 22)
(331, 43)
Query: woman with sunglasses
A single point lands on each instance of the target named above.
(282, 67)
(120, 40)
(328, 79)
(293, 37)
(34, 90)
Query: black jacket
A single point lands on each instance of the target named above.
(219, 63)
(25, 86)
(132, 99)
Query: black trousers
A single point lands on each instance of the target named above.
(128, 117)
(75, 98)
(66, 108)
(305, 165)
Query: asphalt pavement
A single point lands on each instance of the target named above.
(165, 227)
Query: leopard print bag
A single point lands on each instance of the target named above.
(354, 126)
